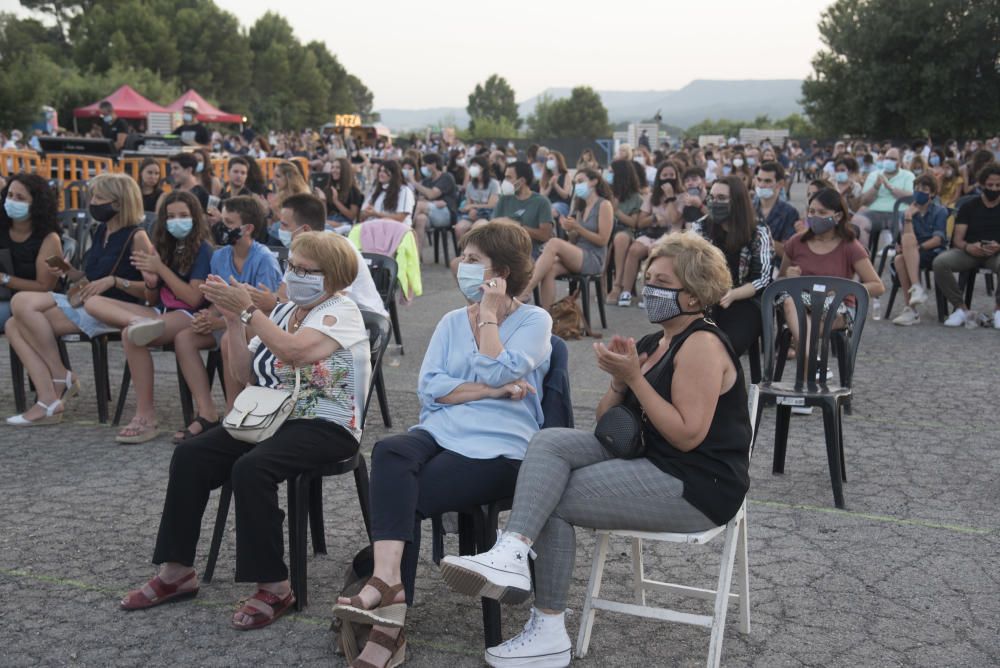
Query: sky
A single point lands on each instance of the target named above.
(418, 55)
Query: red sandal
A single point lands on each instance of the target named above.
(157, 592)
(263, 608)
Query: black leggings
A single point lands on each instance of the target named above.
(414, 478)
(206, 461)
(740, 322)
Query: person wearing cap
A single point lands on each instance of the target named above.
(192, 132)
(112, 127)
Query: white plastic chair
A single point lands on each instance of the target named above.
(734, 552)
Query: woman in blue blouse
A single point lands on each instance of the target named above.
(480, 392)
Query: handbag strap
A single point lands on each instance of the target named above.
(295, 392)
(125, 247)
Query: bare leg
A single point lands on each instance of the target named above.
(556, 250)
(637, 252)
(40, 322)
(187, 347)
(904, 277)
(864, 225)
(117, 313)
(140, 363)
(792, 320)
(420, 221)
(620, 247)
(547, 289)
(35, 367)
(461, 227)
(911, 254)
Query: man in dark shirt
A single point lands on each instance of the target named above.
(182, 174)
(438, 194)
(519, 203)
(112, 127)
(192, 132)
(975, 243)
(779, 216)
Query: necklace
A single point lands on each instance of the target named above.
(296, 321)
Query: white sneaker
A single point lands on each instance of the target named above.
(501, 573)
(143, 332)
(996, 319)
(918, 295)
(907, 317)
(957, 318)
(625, 298)
(543, 643)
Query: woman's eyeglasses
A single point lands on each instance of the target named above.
(302, 272)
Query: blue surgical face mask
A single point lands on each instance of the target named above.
(188, 117)
(108, 119)
(765, 193)
(842, 177)
(537, 171)
(285, 236)
(304, 290)
(920, 197)
(889, 165)
(934, 160)
(470, 280)
(751, 162)
(609, 177)
(582, 190)
(16, 210)
(199, 168)
(426, 171)
(179, 227)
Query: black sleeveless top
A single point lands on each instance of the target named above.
(23, 254)
(716, 473)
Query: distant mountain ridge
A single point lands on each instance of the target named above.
(702, 98)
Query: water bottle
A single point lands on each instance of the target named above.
(876, 309)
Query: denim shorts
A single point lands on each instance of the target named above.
(439, 216)
(85, 322)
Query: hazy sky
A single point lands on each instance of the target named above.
(432, 54)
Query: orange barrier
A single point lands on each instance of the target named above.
(73, 171)
(15, 162)
(220, 167)
(131, 166)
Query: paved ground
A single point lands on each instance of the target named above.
(906, 576)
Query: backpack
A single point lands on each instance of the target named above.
(567, 318)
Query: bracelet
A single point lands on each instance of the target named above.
(487, 322)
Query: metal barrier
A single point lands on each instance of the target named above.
(15, 162)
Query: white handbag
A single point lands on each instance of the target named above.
(258, 412)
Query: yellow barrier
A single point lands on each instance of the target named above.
(269, 165)
(15, 162)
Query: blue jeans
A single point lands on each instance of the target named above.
(4, 313)
(562, 208)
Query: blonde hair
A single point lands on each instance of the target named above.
(699, 266)
(124, 193)
(333, 254)
(295, 183)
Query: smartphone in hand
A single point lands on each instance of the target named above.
(57, 262)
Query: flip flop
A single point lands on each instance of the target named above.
(186, 432)
(157, 592)
(263, 608)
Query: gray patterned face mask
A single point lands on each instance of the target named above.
(662, 304)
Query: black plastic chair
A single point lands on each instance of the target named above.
(305, 491)
(439, 238)
(811, 387)
(385, 274)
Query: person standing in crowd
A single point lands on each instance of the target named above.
(587, 245)
(519, 203)
(39, 318)
(437, 197)
(924, 237)
(688, 383)
(481, 195)
(184, 175)
(192, 131)
(555, 184)
(627, 208)
(112, 127)
(172, 275)
(975, 243)
(878, 196)
(29, 233)
(150, 183)
(778, 215)
(238, 257)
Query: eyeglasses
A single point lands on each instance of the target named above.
(302, 272)
(712, 199)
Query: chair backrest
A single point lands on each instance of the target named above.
(281, 254)
(897, 217)
(384, 271)
(753, 401)
(826, 290)
(379, 331)
(74, 228)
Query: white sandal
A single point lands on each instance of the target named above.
(50, 417)
(72, 383)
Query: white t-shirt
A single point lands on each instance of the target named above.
(405, 203)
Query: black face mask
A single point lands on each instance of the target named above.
(691, 214)
(102, 213)
(991, 195)
(225, 236)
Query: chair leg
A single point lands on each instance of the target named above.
(593, 591)
(225, 498)
(753, 353)
(361, 483)
(485, 539)
(638, 572)
(989, 285)
(783, 416)
(722, 597)
(744, 573)
(99, 353)
(298, 512)
(833, 453)
(187, 401)
(394, 318)
(316, 515)
(892, 298)
(383, 401)
(840, 440)
(599, 289)
(585, 301)
(17, 375)
(942, 304)
(122, 395)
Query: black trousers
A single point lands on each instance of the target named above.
(741, 323)
(208, 460)
(414, 478)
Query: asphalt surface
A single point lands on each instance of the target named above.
(907, 575)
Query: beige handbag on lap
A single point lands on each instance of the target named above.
(258, 412)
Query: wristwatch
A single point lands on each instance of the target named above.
(247, 314)
(4, 279)
(126, 284)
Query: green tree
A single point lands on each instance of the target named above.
(494, 101)
(487, 128)
(581, 115)
(895, 68)
(723, 126)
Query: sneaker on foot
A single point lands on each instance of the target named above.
(144, 332)
(957, 318)
(972, 320)
(907, 317)
(499, 573)
(625, 298)
(543, 643)
(918, 295)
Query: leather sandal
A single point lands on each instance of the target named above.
(263, 608)
(396, 647)
(157, 592)
(385, 613)
(186, 433)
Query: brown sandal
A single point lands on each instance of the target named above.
(396, 647)
(157, 592)
(263, 608)
(385, 613)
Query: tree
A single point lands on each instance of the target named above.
(902, 69)
(722, 126)
(581, 115)
(487, 128)
(493, 100)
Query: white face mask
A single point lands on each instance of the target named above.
(507, 188)
(475, 171)
(304, 290)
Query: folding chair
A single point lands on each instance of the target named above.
(734, 558)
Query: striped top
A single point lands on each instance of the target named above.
(333, 388)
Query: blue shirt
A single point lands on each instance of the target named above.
(112, 254)
(486, 428)
(934, 223)
(260, 267)
(781, 220)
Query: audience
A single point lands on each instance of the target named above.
(627, 202)
(184, 176)
(390, 198)
(779, 216)
(437, 197)
(924, 237)
(878, 196)
(517, 202)
(555, 184)
(150, 183)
